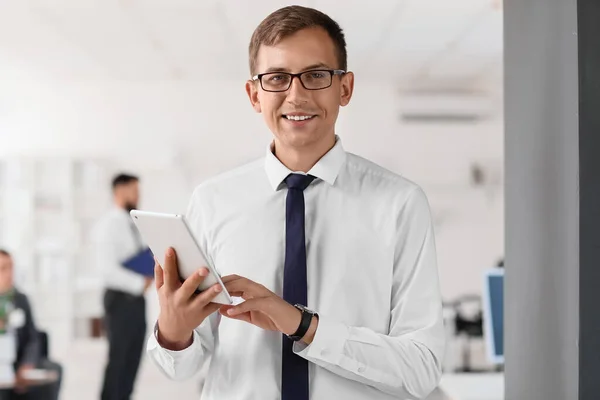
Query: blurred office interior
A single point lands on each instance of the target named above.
(90, 88)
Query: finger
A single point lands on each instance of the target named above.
(240, 317)
(245, 286)
(245, 296)
(211, 308)
(207, 296)
(189, 286)
(229, 278)
(171, 273)
(246, 306)
(159, 279)
(225, 307)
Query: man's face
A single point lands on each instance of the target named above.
(129, 195)
(307, 49)
(6, 273)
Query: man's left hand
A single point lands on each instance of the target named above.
(262, 307)
(20, 381)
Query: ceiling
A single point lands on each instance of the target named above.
(413, 44)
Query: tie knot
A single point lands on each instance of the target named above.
(298, 181)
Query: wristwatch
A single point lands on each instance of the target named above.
(305, 322)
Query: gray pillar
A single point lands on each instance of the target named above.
(542, 200)
(552, 105)
(588, 15)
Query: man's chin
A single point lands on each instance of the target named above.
(298, 141)
(298, 138)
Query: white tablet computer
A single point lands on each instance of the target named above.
(161, 231)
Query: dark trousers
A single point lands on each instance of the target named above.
(125, 321)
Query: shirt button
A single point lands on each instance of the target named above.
(361, 368)
(324, 353)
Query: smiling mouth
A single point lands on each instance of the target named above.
(298, 117)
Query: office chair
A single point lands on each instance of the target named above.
(51, 392)
(468, 324)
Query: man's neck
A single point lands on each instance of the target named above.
(120, 205)
(302, 159)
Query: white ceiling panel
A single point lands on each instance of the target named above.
(9, 8)
(392, 69)
(194, 42)
(31, 48)
(477, 47)
(244, 16)
(112, 37)
(422, 27)
(438, 40)
(485, 37)
(365, 24)
(404, 41)
(66, 4)
(172, 4)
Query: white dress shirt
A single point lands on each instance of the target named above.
(115, 241)
(372, 278)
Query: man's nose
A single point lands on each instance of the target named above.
(297, 94)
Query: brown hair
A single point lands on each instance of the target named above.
(289, 20)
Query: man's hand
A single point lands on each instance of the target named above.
(20, 381)
(181, 310)
(262, 307)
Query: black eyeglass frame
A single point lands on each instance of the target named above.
(332, 73)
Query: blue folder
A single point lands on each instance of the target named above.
(142, 263)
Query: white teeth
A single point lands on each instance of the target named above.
(298, 117)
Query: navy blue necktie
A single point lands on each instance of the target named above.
(294, 369)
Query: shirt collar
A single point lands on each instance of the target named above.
(327, 168)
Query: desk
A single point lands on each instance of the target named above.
(36, 377)
(473, 386)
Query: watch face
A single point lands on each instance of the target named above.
(303, 308)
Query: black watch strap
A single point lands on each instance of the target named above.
(305, 322)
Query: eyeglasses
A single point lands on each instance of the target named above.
(315, 79)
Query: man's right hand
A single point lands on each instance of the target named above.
(181, 310)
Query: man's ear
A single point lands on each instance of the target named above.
(346, 88)
(252, 91)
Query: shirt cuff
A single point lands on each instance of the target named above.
(328, 343)
(173, 360)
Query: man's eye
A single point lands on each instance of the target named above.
(277, 78)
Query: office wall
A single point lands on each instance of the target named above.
(542, 200)
(176, 134)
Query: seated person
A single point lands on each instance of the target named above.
(29, 346)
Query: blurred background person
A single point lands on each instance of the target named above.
(116, 241)
(18, 318)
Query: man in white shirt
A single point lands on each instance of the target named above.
(117, 240)
(308, 227)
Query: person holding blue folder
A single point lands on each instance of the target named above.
(127, 266)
